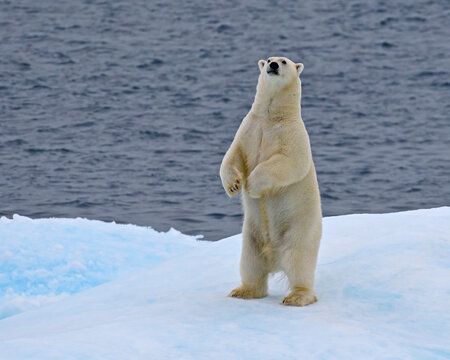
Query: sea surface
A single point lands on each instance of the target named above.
(122, 110)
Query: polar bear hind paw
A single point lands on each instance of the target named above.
(243, 292)
(299, 298)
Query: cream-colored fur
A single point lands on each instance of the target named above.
(270, 161)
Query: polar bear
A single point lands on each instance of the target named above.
(270, 161)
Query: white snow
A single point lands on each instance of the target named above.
(81, 289)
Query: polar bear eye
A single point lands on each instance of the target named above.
(284, 62)
(268, 61)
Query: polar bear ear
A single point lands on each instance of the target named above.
(261, 64)
(299, 67)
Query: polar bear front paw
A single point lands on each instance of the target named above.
(234, 187)
(300, 297)
(257, 185)
(231, 180)
(244, 292)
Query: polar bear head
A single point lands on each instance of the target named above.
(279, 71)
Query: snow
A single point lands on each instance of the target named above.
(44, 260)
(82, 289)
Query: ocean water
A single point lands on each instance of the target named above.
(123, 110)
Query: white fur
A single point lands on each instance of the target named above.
(270, 160)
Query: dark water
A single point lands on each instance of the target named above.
(122, 110)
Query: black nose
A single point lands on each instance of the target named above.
(273, 65)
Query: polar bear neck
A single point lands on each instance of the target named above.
(274, 102)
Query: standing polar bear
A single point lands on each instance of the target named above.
(270, 161)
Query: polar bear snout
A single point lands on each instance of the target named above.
(273, 68)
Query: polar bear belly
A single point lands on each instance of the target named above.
(295, 209)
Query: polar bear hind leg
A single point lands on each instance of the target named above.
(299, 265)
(254, 269)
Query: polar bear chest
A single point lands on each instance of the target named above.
(259, 144)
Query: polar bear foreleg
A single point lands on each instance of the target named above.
(278, 172)
(231, 172)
